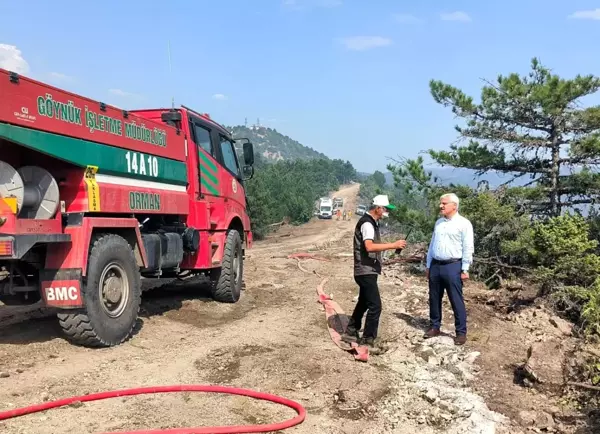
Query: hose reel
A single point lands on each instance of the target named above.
(34, 188)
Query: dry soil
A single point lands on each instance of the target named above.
(275, 340)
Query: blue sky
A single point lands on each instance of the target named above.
(346, 77)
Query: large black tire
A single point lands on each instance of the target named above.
(228, 285)
(106, 320)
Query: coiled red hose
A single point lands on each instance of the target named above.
(179, 388)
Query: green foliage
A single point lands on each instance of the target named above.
(590, 310)
(289, 189)
(494, 216)
(581, 305)
(371, 186)
(379, 179)
(495, 222)
(592, 370)
(561, 251)
(416, 193)
(562, 254)
(368, 190)
(531, 126)
(593, 220)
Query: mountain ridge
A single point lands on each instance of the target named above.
(273, 146)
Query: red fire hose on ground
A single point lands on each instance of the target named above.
(180, 388)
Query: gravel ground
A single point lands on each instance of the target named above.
(273, 340)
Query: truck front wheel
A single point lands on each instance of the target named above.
(228, 285)
(112, 296)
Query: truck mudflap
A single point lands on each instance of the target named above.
(17, 246)
(61, 288)
(249, 239)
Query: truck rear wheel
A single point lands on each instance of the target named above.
(112, 296)
(228, 286)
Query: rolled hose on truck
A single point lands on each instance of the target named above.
(179, 388)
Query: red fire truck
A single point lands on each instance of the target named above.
(94, 198)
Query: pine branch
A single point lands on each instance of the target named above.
(530, 183)
(499, 263)
(530, 118)
(579, 202)
(584, 386)
(580, 161)
(514, 178)
(504, 168)
(502, 136)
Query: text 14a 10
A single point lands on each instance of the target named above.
(141, 164)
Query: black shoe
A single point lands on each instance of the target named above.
(369, 342)
(431, 333)
(460, 339)
(374, 349)
(350, 335)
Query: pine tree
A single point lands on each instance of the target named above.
(379, 179)
(533, 126)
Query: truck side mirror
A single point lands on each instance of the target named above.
(248, 172)
(248, 153)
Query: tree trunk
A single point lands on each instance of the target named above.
(555, 172)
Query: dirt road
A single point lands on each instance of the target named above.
(274, 340)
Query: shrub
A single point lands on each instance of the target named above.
(566, 266)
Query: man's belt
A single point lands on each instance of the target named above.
(446, 261)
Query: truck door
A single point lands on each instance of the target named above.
(209, 209)
(232, 188)
(207, 164)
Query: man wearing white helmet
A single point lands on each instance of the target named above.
(367, 267)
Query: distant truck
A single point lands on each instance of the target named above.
(338, 202)
(325, 208)
(361, 210)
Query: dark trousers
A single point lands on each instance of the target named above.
(447, 276)
(369, 301)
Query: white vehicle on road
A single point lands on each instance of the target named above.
(325, 208)
(361, 210)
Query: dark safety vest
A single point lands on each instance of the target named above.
(365, 262)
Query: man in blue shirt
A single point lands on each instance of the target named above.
(449, 257)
